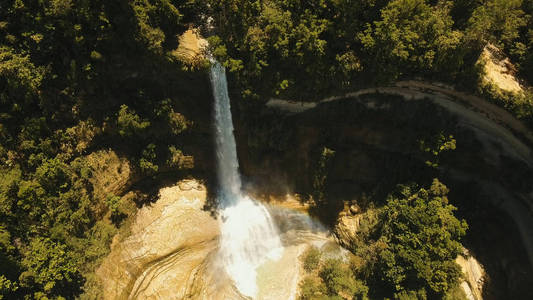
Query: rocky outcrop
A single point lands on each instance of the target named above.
(347, 225)
(499, 70)
(191, 47)
(474, 276)
(171, 251)
(112, 175)
(167, 251)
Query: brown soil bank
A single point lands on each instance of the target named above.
(375, 138)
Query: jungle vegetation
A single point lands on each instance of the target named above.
(78, 77)
(307, 50)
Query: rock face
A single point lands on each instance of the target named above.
(346, 228)
(171, 252)
(191, 47)
(375, 135)
(499, 70)
(474, 276)
(168, 250)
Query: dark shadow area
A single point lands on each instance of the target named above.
(378, 147)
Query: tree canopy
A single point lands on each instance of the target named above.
(77, 77)
(308, 49)
(422, 239)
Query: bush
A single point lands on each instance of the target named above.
(340, 280)
(421, 237)
(147, 162)
(51, 265)
(311, 259)
(312, 287)
(129, 123)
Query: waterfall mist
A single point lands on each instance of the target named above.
(248, 235)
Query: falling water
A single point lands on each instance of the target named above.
(248, 235)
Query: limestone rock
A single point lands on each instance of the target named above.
(346, 228)
(168, 250)
(354, 209)
(474, 276)
(191, 48)
(499, 70)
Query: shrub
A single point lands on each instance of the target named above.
(311, 259)
(340, 280)
(129, 123)
(312, 287)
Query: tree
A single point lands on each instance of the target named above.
(434, 146)
(340, 280)
(20, 79)
(129, 123)
(312, 288)
(9, 179)
(7, 287)
(411, 36)
(422, 238)
(147, 162)
(51, 265)
(311, 259)
(66, 67)
(498, 22)
(321, 175)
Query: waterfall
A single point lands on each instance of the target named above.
(248, 235)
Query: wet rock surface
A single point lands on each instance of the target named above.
(171, 252)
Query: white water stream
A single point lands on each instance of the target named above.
(248, 235)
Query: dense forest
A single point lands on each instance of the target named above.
(307, 50)
(82, 76)
(75, 77)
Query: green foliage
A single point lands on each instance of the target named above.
(74, 77)
(9, 179)
(422, 240)
(498, 22)
(53, 175)
(332, 279)
(411, 295)
(462, 10)
(519, 104)
(7, 287)
(435, 146)
(129, 123)
(405, 249)
(411, 36)
(456, 293)
(311, 259)
(20, 77)
(154, 17)
(340, 280)
(269, 34)
(50, 265)
(147, 162)
(178, 122)
(179, 160)
(112, 202)
(311, 50)
(311, 288)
